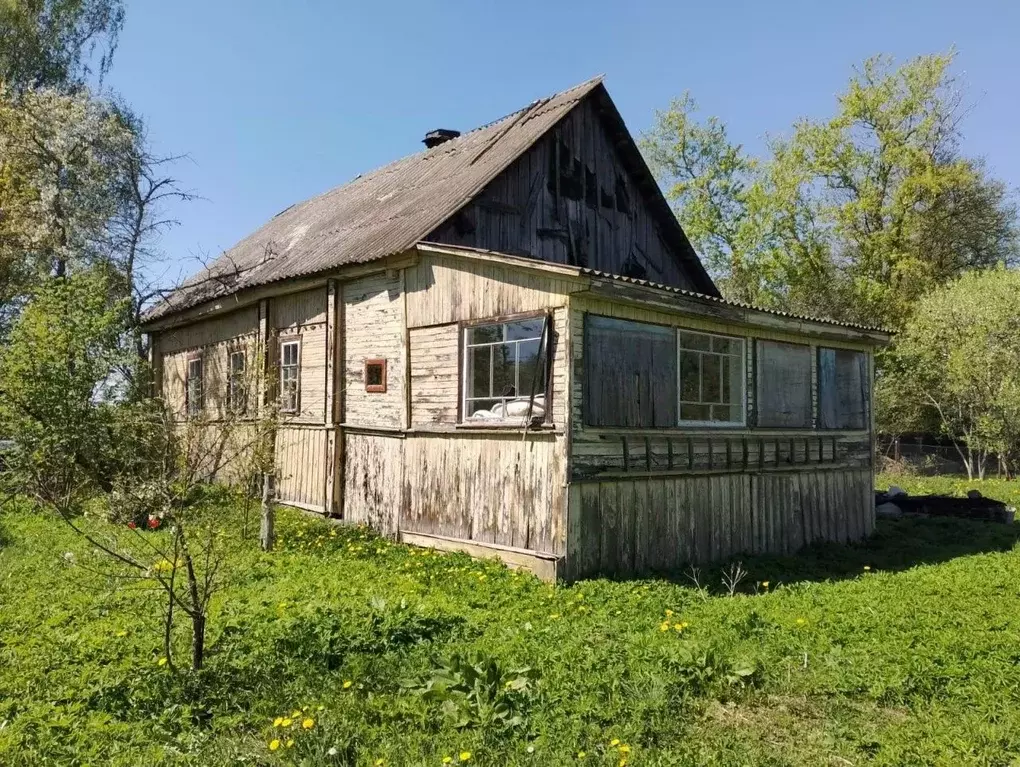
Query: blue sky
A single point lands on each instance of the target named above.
(274, 102)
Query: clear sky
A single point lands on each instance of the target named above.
(274, 102)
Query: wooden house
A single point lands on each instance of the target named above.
(506, 345)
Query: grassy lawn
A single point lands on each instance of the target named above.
(902, 651)
(1004, 490)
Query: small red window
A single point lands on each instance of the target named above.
(375, 375)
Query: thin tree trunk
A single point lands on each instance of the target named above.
(266, 532)
(197, 640)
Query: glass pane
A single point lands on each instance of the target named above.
(290, 354)
(690, 377)
(504, 369)
(524, 329)
(373, 375)
(478, 371)
(531, 368)
(711, 390)
(475, 406)
(725, 345)
(485, 334)
(695, 341)
(726, 413)
(726, 364)
(695, 413)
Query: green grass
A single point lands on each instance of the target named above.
(913, 661)
(1004, 490)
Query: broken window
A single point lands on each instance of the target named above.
(629, 373)
(842, 389)
(711, 378)
(784, 385)
(504, 365)
(194, 389)
(290, 374)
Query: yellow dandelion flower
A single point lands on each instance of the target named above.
(308, 723)
(764, 584)
(581, 754)
(447, 759)
(290, 742)
(122, 633)
(287, 722)
(664, 626)
(274, 744)
(622, 762)
(161, 662)
(678, 627)
(801, 621)
(278, 721)
(380, 762)
(614, 742)
(669, 613)
(347, 684)
(624, 748)
(296, 714)
(464, 755)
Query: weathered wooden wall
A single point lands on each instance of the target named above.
(639, 526)
(374, 488)
(214, 339)
(301, 465)
(302, 316)
(569, 200)
(373, 322)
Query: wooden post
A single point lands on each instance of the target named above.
(330, 409)
(267, 534)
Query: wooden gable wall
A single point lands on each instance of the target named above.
(569, 200)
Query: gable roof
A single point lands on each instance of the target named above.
(390, 209)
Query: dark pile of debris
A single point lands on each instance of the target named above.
(894, 503)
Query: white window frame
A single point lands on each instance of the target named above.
(193, 409)
(233, 385)
(295, 342)
(742, 367)
(541, 391)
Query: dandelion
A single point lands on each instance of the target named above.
(122, 633)
(447, 759)
(274, 744)
(464, 755)
(765, 584)
(347, 684)
(161, 662)
(308, 723)
(290, 742)
(679, 627)
(624, 748)
(669, 613)
(801, 621)
(287, 722)
(278, 721)
(664, 626)
(380, 762)
(614, 742)
(581, 754)
(296, 714)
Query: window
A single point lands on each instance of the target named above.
(842, 389)
(630, 373)
(193, 393)
(784, 385)
(711, 378)
(504, 364)
(237, 393)
(290, 371)
(375, 375)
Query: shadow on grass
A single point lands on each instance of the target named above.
(895, 545)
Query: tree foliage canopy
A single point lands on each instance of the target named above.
(853, 217)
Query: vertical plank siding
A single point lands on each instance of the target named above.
(301, 466)
(302, 317)
(569, 200)
(373, 480)
(641, 526)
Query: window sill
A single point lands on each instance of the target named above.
(508, 425)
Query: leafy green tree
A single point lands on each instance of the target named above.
(959, 358)
(853, 217)
(57, 43)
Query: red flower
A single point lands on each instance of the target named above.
(132, 525)
(153, 522)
